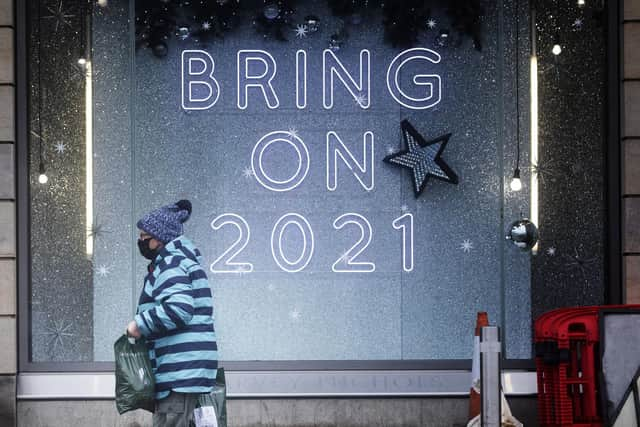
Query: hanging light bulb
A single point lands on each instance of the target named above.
(557, 49)
(42, 178)
(516, 183)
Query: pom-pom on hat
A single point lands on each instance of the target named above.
(165, 223)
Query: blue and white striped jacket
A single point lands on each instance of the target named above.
(175, 314)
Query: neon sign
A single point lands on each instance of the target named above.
(198, 71)
(256, 73)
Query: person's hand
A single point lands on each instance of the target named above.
(133, 330)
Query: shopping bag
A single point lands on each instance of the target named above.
(211, 408)
(135, 385)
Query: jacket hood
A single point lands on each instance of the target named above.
(181, 246)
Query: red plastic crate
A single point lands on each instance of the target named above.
(567, 365)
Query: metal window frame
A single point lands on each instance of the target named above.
(28, 368)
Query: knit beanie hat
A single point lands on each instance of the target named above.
(165, 223)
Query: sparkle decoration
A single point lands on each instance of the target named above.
(581, 263)
(557, 68)
(404, 208)
(60, 147)
(301, 31)
(361, 99)
(97, 229)
(293, 132)
(58, 332)
(247, 172)
(102, 270)
(77, 71)
(523, 234)
(295, 314)
(577, 24)
(546, 171)
(59, 15)
(242, 269)
(466, 246)
(423, 158)
(551, 251)
(404, 22)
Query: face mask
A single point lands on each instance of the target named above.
(145, 250)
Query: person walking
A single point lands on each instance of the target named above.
(175, 315)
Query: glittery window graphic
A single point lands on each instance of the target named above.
(305, 265)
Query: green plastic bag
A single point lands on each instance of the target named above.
(135, 384)
(211, 409)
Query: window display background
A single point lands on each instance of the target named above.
(149, 152)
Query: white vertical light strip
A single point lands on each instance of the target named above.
(89, 156)
(534, 144)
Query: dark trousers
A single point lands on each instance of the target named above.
(175, 410)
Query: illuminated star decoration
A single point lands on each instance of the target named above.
(551, 251)
(423, 158)
(466, 246)
(301, 30)
(59, 15)
(60, 147)
(206, 25)
(295, 314)
(431, 23)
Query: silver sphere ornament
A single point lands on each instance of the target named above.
(183, 33)
(312, 22)
(523, 233)
(335, 42)
(271, 11)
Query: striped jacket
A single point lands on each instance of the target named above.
(175, 314)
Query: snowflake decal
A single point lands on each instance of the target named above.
(301, 31)
(466, 246)
(247, 172)
(60, 147)
(103, 270)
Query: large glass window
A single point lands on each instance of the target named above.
(285, 124)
